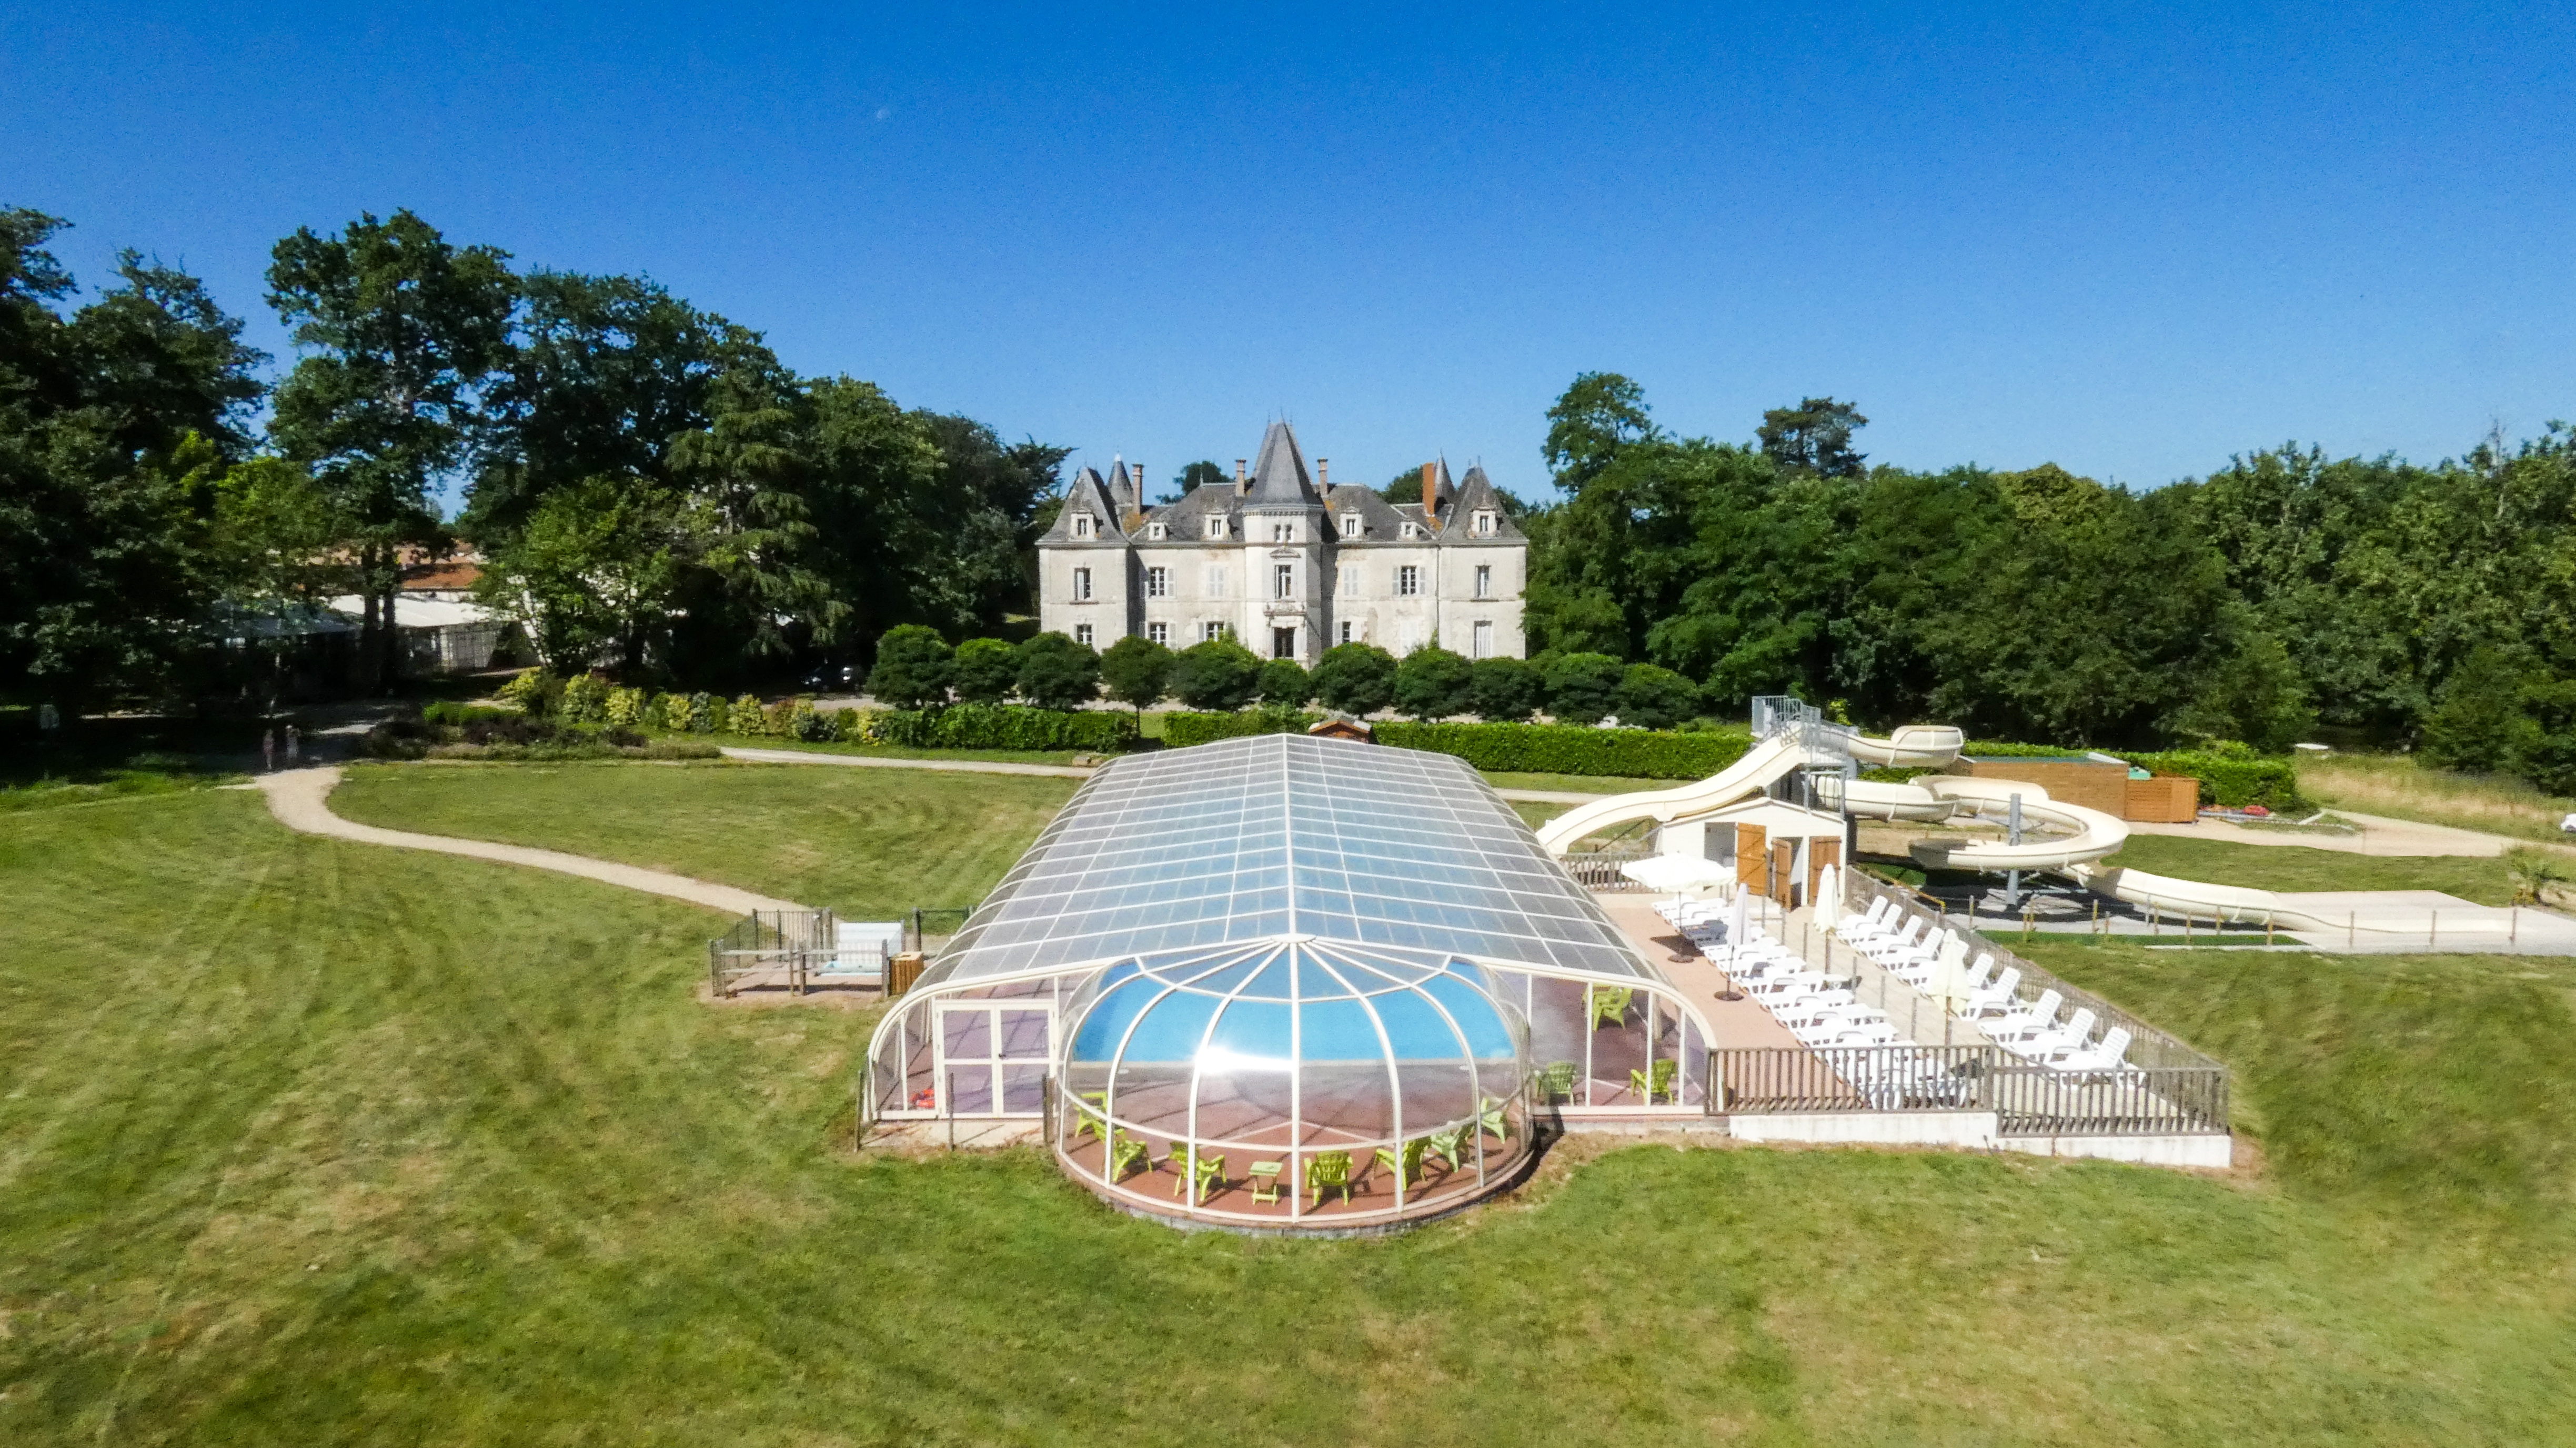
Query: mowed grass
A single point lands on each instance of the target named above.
(860, 841)
(304, 1141)
(2397, 786)
(2485, 881)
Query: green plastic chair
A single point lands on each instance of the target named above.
(1556, 1081)
(1408, 1167)
(1198, 1178)
(1660, 1083)
(1609, 1004)
(1126, 1153)
(1328, 1171)
(1094, 1119)
(1452, 1145)
(1490, 1114)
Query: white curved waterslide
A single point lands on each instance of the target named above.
(2073, 838)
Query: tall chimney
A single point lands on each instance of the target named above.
(1242, 484)
(1323, 472)
(1431, 495)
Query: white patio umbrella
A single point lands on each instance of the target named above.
(1741, 920)
(1829, 897)
(1676, 873)
(1948, 985)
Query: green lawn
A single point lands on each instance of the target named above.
(2300, 867)
(2395, 785)
(860, 841)
(304, 1141)
(886, 751)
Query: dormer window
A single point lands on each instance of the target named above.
(1485, 524)
(1216, 526)
(1412, 530)
(1283, 532)
(1084, 524)
(1351, 525)
(1157, 531)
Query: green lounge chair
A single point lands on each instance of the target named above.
(1265, 1181)
(1609, 1004)
(1198, 1179)
(1556, 1081)
(1092, 1120)
(1452, 1145)
(1490, 1115)
(1659, 1083)
(1328, 1171)
(1127, 1154)
(1408, 1167)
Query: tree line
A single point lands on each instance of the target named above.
(651, 487)
(2383, 601)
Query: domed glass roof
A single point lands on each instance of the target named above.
(1297, 1050)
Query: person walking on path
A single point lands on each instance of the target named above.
(268, 752)
(294, 738)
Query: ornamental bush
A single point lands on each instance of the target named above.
(1573, 749)
(1134, 669)
(1584, 688)
(1216, 675)
(1505, 690)
(1433, 683)
(1056, 672)
(1180, 731)
(913, 668)
(624, 708)
(585, 700)
(673, 712)
(986, 670)
(745, 716)
(1355, 678)
(1655, 698)
(1284, 685)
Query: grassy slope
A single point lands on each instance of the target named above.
(2298, 867)
(302, 1141)
(862, 841)
(2398, 787)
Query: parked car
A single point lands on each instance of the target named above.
(832, 679)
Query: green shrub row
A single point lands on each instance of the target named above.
(1180, 731)
(993, 726)
(2004, 749)
(2231, 781)
(1574, 749)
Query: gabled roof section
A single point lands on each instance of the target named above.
(1279, 479)
(1086, 493)
(1379, 520)
(1478, 495)
(1185, 519)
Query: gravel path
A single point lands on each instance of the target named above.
(300, 798)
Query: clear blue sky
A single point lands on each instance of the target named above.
(2131, 244)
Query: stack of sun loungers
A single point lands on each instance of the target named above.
(1897, 942)
(1819, 1010)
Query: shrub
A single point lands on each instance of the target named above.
(1004, 726)
(1180, 731)
(1655, 698)
(535, 691)
(1573, 749)
(1584, 688)
(806, 724)
(913, 668)
(1433, 683)
(1134, 671)
(2231, 778)
(710, 713)
(1282, 684)
(2480, 724)
(1057, 673)
(674, 713)
(1217, 674)
(585, 700)
(985, 671)
(1355, 678)
(745, 716)
(2001, 749)
(1504, 691)
(854, 726)
(624, 708)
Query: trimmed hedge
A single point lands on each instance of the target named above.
(1180, 730)
(2229, 781)
(1574, 749)
(1002, 726)
(2002, 749)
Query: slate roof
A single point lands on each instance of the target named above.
(1085, 493)
(1279, 478)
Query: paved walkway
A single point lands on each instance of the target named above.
(2379, 836)
(300, 798)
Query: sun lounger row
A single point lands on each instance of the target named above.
(1897, 941)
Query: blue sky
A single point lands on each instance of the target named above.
(2131, 243)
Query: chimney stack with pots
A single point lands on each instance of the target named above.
(1323, 472)
(1242, 484)
(1430, 495)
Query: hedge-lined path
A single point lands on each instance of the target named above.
(300, 798)
(1060, 771)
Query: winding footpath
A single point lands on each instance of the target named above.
(300, 798)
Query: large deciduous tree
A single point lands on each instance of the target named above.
(399, 329)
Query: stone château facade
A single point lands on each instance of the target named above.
(1286, 564)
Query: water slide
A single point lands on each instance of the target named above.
(1915, 746)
